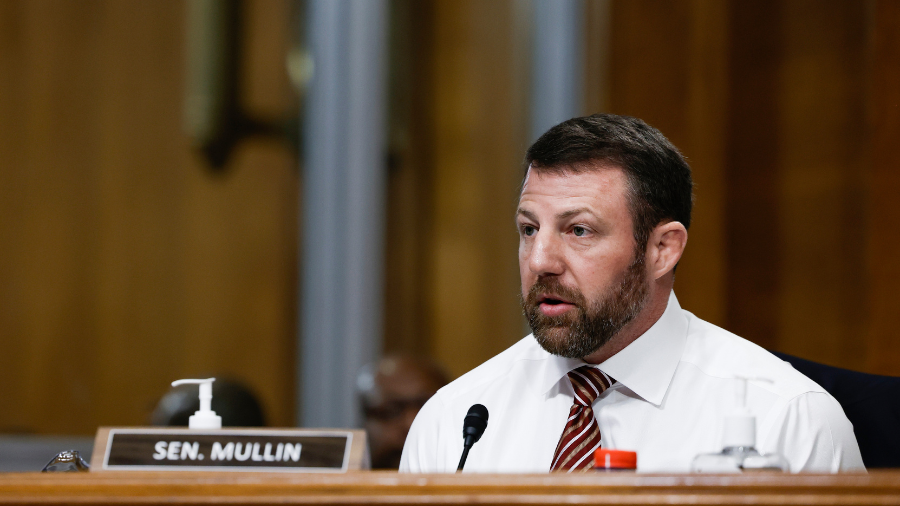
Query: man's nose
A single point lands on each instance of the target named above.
(546, 254)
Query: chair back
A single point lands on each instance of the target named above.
(870, 401)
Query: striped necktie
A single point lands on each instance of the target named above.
(581, 437)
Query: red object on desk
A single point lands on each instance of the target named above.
(615, 459)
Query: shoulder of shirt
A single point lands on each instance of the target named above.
(494, 370)
(721, 354)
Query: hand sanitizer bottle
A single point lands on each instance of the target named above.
(205, 418)
(738, 442)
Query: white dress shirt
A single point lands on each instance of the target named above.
(674, 385)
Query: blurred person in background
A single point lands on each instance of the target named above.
(391, 392)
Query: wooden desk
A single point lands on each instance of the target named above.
(382, 488)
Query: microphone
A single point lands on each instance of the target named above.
(473, 427)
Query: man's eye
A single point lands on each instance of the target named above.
(579, 231)
(528, 230)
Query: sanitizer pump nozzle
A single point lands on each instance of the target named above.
(739, 429)
(739, 441)
(205, 418)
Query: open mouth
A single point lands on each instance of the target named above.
(552, 301)
(552, 305)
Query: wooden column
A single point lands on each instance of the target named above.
(478, 113)
(751, 197)
(768, 102)
(820, 186)
(668, 67)
(409, 216)
(883, 353)
(466, 135)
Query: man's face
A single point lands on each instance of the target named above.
(583, 278)
(402, 388)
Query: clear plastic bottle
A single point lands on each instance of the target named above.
(739, 440)
(738, 459)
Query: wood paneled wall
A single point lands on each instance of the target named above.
(668, 65)
(458, 143)
(125, 263)
(790, 114)
(883, 185)
(770, 102)
(787, 112)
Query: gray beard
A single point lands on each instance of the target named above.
(587, 328)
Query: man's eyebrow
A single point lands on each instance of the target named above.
(573, 212)
(526, 213)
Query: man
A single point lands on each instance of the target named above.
(613, 360)
(391, 392)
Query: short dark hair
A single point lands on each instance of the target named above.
(659, 179)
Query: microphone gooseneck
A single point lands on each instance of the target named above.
(473, 427)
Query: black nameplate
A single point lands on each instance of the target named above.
(227, 450)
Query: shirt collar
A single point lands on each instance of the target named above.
(646, 366)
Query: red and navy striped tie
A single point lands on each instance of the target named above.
(581, 437)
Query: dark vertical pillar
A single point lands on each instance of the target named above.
(884, 243)
(752, 171)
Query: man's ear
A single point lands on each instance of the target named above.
(664, 249)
